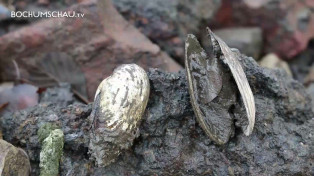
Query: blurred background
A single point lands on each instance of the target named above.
(49, 58)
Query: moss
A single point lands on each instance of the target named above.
(51, 153)
(45, 130)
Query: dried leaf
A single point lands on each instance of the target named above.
(39, 76)
(64, 69)
(238, 74)
(55, 68)
(2, 106)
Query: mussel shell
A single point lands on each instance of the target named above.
(232, 61)
(119, 105)
(212, 91)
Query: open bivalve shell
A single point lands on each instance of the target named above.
(214, 81)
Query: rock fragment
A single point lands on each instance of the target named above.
(309, 79)
(4, 12)
(60, 95)
(273, 61)
(302, 64)
(13, 160)
(310, 90)
(247, 40)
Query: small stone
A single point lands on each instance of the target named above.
(247, 40)
(13, 160)
(4, 12)
(310, 77)
(256, 3)
(60, 95)
(51, 152)
(310, 90)
(303, 17)
(273, 61)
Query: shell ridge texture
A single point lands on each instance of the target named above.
(120, 102)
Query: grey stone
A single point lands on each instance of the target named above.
(302, 64)
(4, 13)
(272, 61)
(310, 90)
(248, 40)
(13, 160)
(60, 95)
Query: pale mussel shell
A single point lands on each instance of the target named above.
(119, 105)
(213, 90)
